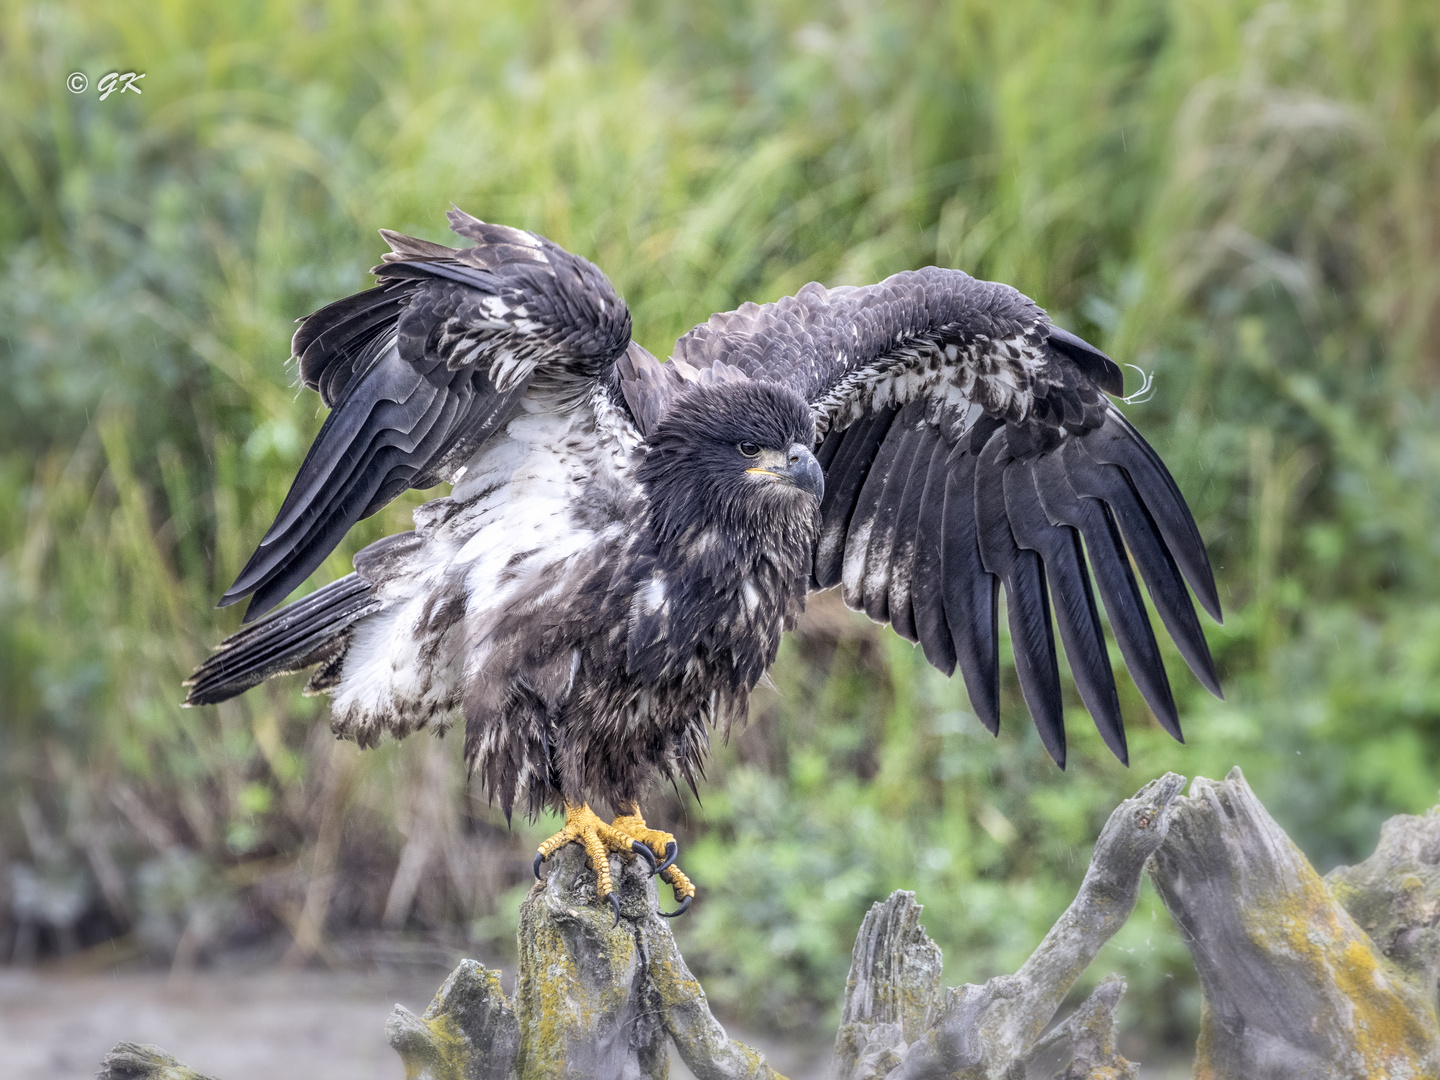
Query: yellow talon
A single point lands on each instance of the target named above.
(627, 834)
(665, 848)
(584, 827)
(661, 843)
(683, 887)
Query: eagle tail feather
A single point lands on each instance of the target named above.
(313, 629)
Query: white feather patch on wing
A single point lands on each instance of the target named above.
(950, 372)
(653, 598)
(513, 528)
(856, 545)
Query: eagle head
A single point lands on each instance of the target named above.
(736, 456)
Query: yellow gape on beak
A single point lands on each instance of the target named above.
(796, 466)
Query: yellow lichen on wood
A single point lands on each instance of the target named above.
(700, 1040)
(546, 998)
(595, 997)
(1203, 1067)
(451, 1053)
(544, 971)
(582, 1002)
(469, 1031)
(1393, 1020)
(1390, 1028)
(1288, 974)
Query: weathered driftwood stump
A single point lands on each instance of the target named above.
(1294, 984)
(132, 1061)
(593, 998)
(1301, 977)
(898, 1021)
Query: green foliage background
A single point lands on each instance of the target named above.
(1242, 198)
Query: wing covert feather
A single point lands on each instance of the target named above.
(420, 371)
(967, 443)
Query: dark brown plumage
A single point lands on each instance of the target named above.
(611, 574)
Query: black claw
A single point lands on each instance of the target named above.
(645, 853)
(672, 849)
(539, 858)
(684, 907)
(615, 905)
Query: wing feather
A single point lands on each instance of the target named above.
(970, 591)
(967, 443)
(338, 340)
(363, 457)
(902, 553)
(865, 574)
(289, 640)
(881, 568)
(1027, 604)
(1119, 591)
(422, 370)
(1059, 549)
(828, 448)
(1144, 538)
(850, 468)
(1118, 443)
(932, 629)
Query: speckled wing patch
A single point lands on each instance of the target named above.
(968, 444)
(421, 370)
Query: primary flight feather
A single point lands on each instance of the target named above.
(626, 540)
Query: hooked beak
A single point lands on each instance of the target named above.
(799, 468)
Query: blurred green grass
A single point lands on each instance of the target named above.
(1242, 198)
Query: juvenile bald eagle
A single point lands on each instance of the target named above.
(626, 540)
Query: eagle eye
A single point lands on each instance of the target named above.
(749, 449)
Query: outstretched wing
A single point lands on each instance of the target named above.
(968, 444)
(422, 369)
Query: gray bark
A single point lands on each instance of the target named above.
(134, 1061)
(469, 1032)
(1091, 1034)
(893, 993)
(593, 998)
(1301, 977)
(898, 1022)
(1395, 895)
(1294, 987)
